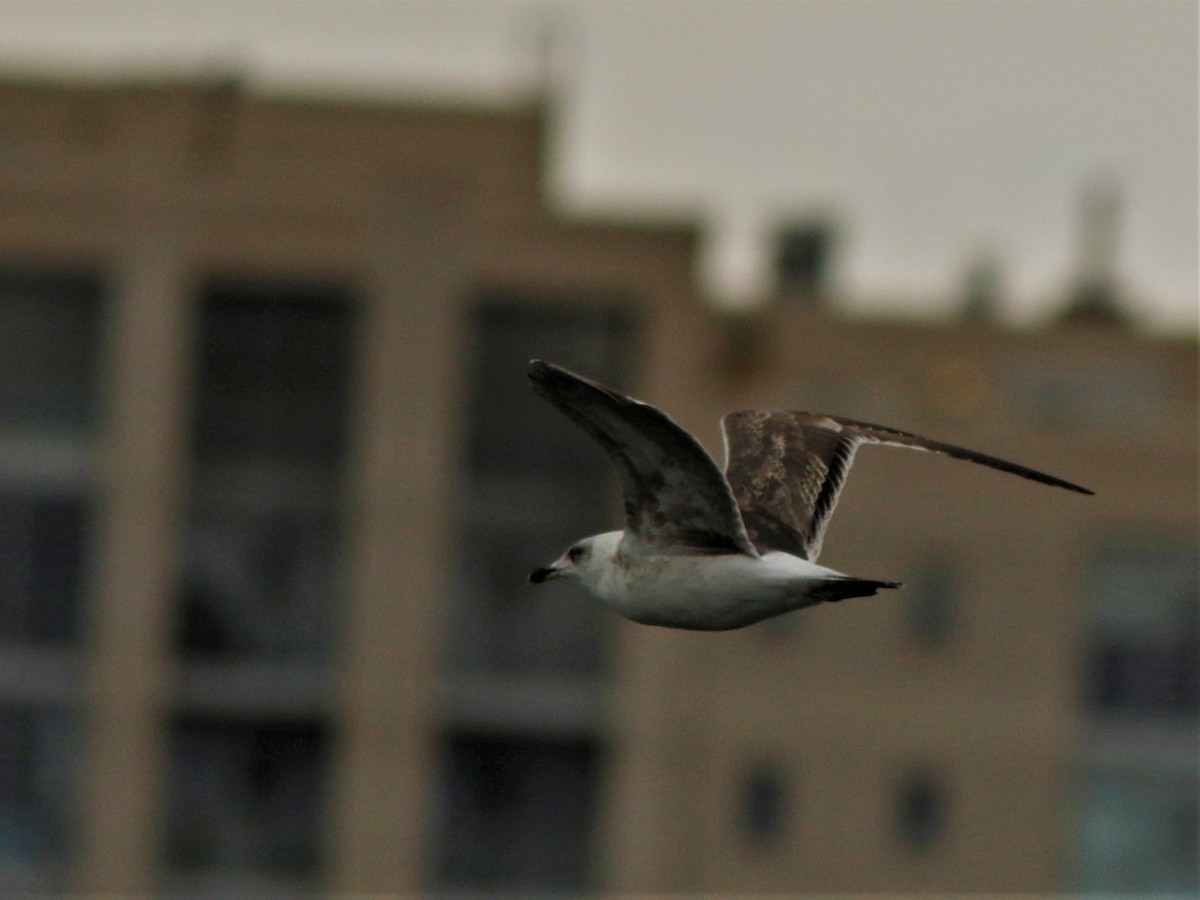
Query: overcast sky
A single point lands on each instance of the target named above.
(934, 131)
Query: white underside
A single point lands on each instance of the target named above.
(709, 592)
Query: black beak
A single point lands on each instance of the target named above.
(537, 576)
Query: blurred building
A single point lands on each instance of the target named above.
(271, 480)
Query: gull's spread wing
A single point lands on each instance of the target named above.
(676, 500)
(787, 468)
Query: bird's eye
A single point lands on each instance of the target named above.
(575, 553)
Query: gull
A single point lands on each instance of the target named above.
(709, 551)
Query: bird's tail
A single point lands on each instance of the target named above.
(842, 588)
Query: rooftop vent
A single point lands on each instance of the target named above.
(983, 289)
(1096, 296)
(804, 259)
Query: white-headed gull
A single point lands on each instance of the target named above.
(703, 550)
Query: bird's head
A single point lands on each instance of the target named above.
(584, 561)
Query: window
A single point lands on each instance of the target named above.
(1137, 826)
(245, 796)
(508, 430)
(262, 561)
(43, 535)
(1140, 830)
(49, 349)
(1064, 395)
(516, 813)
(516, 628)
(274, 375)
(261, 586)
(535, 483)
(920, 810)
(259, 581)
(1144, 647)
(763, 806)
(49, 360)
(930, 603)
(38, 750)
(519, 774)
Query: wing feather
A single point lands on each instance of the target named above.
(786, 470)
(676, 499)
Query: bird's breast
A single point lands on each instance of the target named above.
(713, 592)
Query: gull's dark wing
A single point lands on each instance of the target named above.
(786, 469)
(676, 500)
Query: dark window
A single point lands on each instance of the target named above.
(512, 627)
(42, 541)
(519, 779)
(516, 814)
(259, 582)
(930, 604)
(245, 797)
(764, 800)
(509, 429)
(37, 771)
(1139, 833)
(1138, 816)
(49, 372)
(1055, 395)
(262, 557)
(920, 810)
(274, 374)
(260, 586)
(49, 353)
(535, 484)
(49, 349)
(1145, 636)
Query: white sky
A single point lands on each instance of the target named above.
(933, 130)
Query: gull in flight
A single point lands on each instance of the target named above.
(711, 551)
